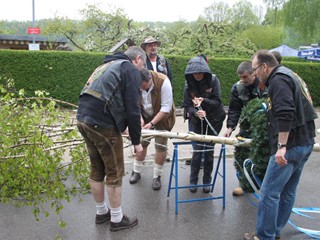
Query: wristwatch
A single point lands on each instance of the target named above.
(280, 145)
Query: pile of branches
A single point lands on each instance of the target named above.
(39, 146)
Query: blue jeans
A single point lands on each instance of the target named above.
(278, 192)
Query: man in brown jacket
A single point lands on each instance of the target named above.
(157, 112)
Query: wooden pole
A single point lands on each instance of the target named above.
(191, 136)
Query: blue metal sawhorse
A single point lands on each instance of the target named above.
(175, 166)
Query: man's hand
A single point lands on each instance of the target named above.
(138, 148)
(197, 101)
(280, 157)
(148, 126)
(228, 132)
(201, 114)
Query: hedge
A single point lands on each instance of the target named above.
(63, 74)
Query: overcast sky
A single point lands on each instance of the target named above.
(138, 10)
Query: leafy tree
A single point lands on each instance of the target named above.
(303, 16)
(274, 6)
(300, 19)
(14, 27)
(217, 12)
(104, 29)
(177, 38)
(274, 17)
(219, 40)
(242, 15)
(99, 31)
(71, 29)
(264, 37)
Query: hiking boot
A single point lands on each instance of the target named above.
(156, 185)
(135, 177)
(123, 224)
(238, 192)
(103, 218)
(250, 236)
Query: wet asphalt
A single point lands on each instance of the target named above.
(156, 211)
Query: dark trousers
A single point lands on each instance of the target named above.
(199, 149)
(203, 148)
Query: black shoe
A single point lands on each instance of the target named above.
(156, 185)
(188, 162)
(193, 189)
(135, 177)
(103, 218)
(206, 189)
(124, 224)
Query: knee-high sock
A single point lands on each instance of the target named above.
(116, 214)
(137, 166)
(157, 170)
(101, 208)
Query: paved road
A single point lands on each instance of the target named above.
(156, 212)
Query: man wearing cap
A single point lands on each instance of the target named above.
(156, 62)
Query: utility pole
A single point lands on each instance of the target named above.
(33, 30)
(33, 22)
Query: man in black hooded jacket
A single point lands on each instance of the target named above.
(109, 99)
(202, 101)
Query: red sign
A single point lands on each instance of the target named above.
(32, 30)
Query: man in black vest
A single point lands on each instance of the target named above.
(110, 98)
(291, 130)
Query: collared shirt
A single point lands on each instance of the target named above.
(154, 65)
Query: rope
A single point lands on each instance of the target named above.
(209, 124)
